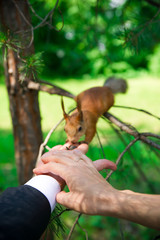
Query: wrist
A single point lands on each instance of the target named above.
(107, 202)
(48, 186)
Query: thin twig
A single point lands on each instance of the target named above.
(47, 23)
(121, 229)
(143, 27)
(42, 146)
(28, 23)
(148, 134)
(47, 16)
(84, 230)
(136, 164)
(121, 155)
(137, 109)
(58, 215)
(103, 153)
(73, 227)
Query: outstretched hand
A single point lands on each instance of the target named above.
(85, 183)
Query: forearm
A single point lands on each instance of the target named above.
(25, 210)
(135, 207)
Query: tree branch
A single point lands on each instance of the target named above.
(131, 130)
(44, 21)
(153, 3)
(42, 86)
(136, 164)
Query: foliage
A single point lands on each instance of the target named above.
(93, 37)
(96, 36)
(32, 66)
(55, 225)
(8, 41)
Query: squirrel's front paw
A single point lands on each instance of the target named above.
(81, 142)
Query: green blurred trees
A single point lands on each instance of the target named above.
(98, 37)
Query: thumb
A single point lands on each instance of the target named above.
(61, 198)
(104, 164)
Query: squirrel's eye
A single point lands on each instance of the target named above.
(79, 129)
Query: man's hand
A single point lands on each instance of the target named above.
(86, 185)
(82, 147)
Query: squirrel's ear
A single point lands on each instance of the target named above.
(78, 106)
(79, 111)
(80, 115)
(64, 113)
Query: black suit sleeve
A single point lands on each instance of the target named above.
(24, 213)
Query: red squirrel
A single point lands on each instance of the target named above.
(91, 104)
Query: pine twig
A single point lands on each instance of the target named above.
(73, 227)
(121, 155)
(58, 215)
(84, 230)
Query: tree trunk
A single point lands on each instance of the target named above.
(24, 104)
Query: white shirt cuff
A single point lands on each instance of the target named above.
(47, 186)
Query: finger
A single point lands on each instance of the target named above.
(66, 146)
(57, 147)
(64, 156)
(51, 167)
(83, 147)
(82, 156)
(104, 164)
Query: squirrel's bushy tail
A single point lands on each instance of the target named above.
(117, 85)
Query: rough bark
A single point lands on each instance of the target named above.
(24, 105)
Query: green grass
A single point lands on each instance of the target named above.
(142, 93)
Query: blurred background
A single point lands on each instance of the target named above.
(91, 41)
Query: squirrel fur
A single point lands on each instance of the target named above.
(91, 104)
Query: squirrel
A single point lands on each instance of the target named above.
(91, 104)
